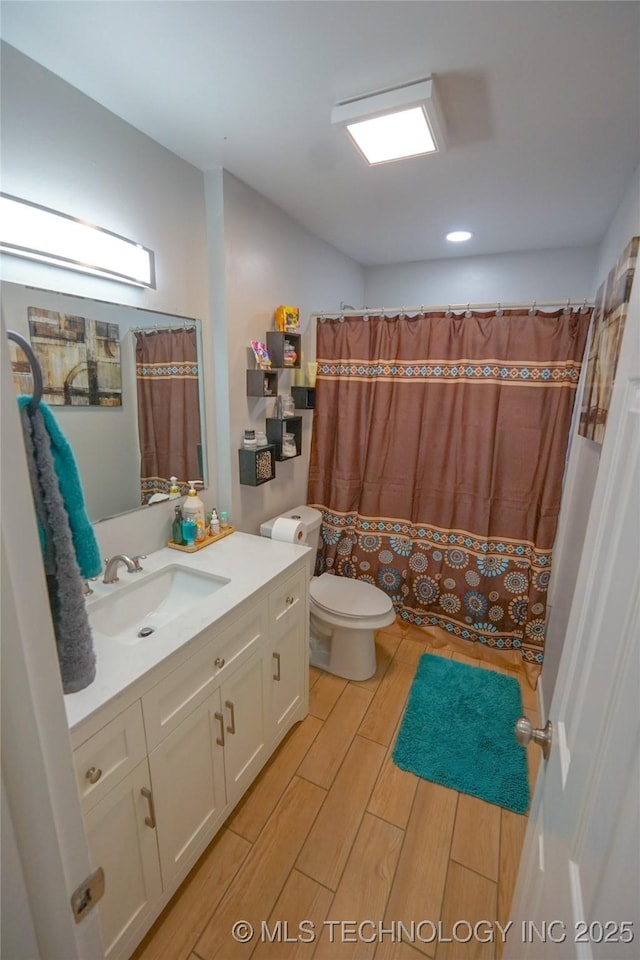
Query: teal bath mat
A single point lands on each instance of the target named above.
(457, 730)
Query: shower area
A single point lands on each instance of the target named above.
(440, 439)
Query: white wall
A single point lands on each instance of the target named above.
(534, 275)
(63, 150)
(582, 469)
(268, 260)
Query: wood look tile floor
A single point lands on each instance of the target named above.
(332, 831)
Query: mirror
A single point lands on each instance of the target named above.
(99, 362)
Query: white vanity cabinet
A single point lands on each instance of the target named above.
(174, 762)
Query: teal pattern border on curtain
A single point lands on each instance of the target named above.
(492, 371)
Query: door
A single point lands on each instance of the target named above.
(37, 768)
(242, 705)
(122, 840)
(578, 889)
(287, 660)
(287, 657)
(187, 774)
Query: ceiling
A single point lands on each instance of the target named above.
(540, 103)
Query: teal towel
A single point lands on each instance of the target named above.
(84, 539)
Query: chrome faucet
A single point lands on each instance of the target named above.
(111, 566)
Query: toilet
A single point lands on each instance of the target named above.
(344, 613)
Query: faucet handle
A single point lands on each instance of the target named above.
(137, 566)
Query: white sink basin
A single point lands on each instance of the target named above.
(136, 610)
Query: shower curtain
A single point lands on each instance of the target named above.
(168, 409)
(437, 460)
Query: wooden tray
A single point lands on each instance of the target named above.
(199, 544)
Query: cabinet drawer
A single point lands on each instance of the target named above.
(109, 755)
(289, 596)
(167, 704)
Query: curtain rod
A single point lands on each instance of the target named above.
(156, 327)
(450, 308)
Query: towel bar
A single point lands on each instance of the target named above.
(36, 372)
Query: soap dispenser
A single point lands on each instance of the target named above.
(193, 509)
(173, 489)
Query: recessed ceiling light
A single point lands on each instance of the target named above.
(398, 123)
(459, 236)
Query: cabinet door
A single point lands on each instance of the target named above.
(243, 707)
(288, 653)
(187, 773)
(124, 845)
(286, 666)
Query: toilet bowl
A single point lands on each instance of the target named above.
(344, 613)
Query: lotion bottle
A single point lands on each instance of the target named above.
(193, 509)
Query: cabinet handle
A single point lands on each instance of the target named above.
(290, 600)
(93, 774)
(220, 739)
(219, 662)
(231, 728)
(276, 675)
(151, 819)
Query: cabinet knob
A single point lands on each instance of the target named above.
(93, 774)
(291, 600)
(219, 662)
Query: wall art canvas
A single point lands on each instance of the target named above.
(79, 358)
(609, 317)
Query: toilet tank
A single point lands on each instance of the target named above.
(311, 518)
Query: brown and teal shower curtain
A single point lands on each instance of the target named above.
(437, 460)
(168, 409)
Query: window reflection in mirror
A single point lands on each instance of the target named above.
(126, 387)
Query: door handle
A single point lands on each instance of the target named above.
(151, 819)
(526, 732)
(231, 727)
(220, 739)
(276, 675)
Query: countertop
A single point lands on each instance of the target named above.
(248, 562)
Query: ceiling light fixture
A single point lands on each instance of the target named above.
(393, 124)
(38, 233)
(459, 236)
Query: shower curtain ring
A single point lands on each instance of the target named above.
(583, 308)
(567, 308)
(449, 311)
(468, 312)
(499, 311)
(532, 309)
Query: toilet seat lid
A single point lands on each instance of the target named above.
(349, 598)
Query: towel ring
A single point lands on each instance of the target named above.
(36, 372)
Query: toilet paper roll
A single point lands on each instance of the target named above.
(288, 530)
